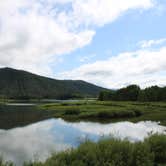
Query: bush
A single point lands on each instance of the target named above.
(72, 111)
(158, 147)
(138, 112)
(142, 155)
(111, 152)
(103, 114)
(119, 114)
(115, 152)
(3, 163)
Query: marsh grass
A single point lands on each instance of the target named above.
(108, 110)
(4, 163)
(72, 111)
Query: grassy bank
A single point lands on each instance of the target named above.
(108, 110)
(111, 152)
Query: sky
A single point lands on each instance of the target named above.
(110, 43)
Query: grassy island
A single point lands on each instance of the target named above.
(108, 110)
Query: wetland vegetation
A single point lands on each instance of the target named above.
(112, 152)
(105, 111)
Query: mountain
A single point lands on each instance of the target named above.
(19, 84)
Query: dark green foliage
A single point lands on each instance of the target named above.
(72, 111)
(106, 95)
(130, 93)
(158, 146)
(134, 93)
(18, 84)
(142, 155)
(119, 114)
(153, 93)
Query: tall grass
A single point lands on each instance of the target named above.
(3, 163)
(157, 144)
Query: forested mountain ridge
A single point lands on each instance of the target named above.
(19, 84)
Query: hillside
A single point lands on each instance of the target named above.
(19, 84)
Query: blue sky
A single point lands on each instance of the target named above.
(110, 43)
(120, 36)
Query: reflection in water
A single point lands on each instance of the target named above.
(32, 142)
(12, 116)
(38, 140)
(20, 104)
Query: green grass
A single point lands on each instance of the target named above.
(108, 110)
(3, 163)
(111, 152)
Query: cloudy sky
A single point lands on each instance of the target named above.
(111, 43)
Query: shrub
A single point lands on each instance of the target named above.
(103, 114)
(158, 147)
(142, 155)
(72, 111)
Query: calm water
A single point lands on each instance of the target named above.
(39, 139)
(20, 104)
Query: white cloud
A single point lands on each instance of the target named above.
(33, 40)
(34, 33)
(133, 131)
(97, 12)
(142, 67)
(87, 58)
(150, 43)
(33, 142)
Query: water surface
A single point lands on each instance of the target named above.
(39, 140)
(20, 104)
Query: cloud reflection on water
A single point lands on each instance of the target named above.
(38, 140)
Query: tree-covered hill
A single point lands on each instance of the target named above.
(19, 84)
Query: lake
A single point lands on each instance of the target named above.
(27, 134)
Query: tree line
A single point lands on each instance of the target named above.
(134, 93)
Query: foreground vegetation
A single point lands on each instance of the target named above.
(110, 152)
(108, 111)
(113, 152)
